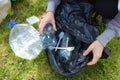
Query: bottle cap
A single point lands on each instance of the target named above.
(11, 24)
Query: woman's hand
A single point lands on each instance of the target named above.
(49, 18)
(97, 48)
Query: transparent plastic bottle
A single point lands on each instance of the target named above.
(65, 55)
(48, 38)
(25, 41)
(5, 5)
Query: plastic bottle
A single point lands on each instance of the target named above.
(65, 55)
(48, 38)
(25, 41)
(5, 5)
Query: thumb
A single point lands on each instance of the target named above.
(54, 26)
(87, 51)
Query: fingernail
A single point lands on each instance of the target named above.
(84, 54)
(55, 29)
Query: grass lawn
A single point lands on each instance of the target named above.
(14, 68)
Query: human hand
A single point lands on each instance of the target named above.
(49, 18)
(97, 48)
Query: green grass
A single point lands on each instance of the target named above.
(14, 68)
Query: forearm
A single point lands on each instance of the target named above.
(112, 30)
(52, 4)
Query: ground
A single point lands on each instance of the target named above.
(14, 68)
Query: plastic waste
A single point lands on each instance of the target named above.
(32, 20)
(65, 54)
(60, 37)
(74, 19)
(5, 5)
(11, 24)
(25, 41)
(48, 38)
(68, 59)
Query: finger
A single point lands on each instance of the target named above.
(41, 27)
(94, 60)
(54, 26)
(87, 51)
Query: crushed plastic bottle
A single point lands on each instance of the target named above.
(48, 38)
(25, 41)
(5, 5)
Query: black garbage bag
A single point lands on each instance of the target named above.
(68, 61)
(74, 20)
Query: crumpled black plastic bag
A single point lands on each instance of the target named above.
(76, 60)
(74, 19)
